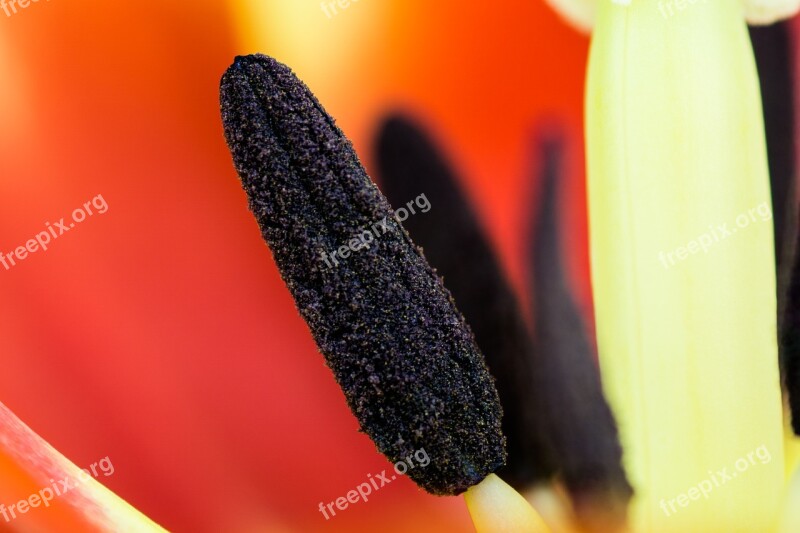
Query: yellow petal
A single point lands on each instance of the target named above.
(683, 265)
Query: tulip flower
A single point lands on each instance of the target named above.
(163, 336)
(166, 357)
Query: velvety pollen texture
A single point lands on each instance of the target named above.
(388, 329)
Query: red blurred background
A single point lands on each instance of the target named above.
(159, 333)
